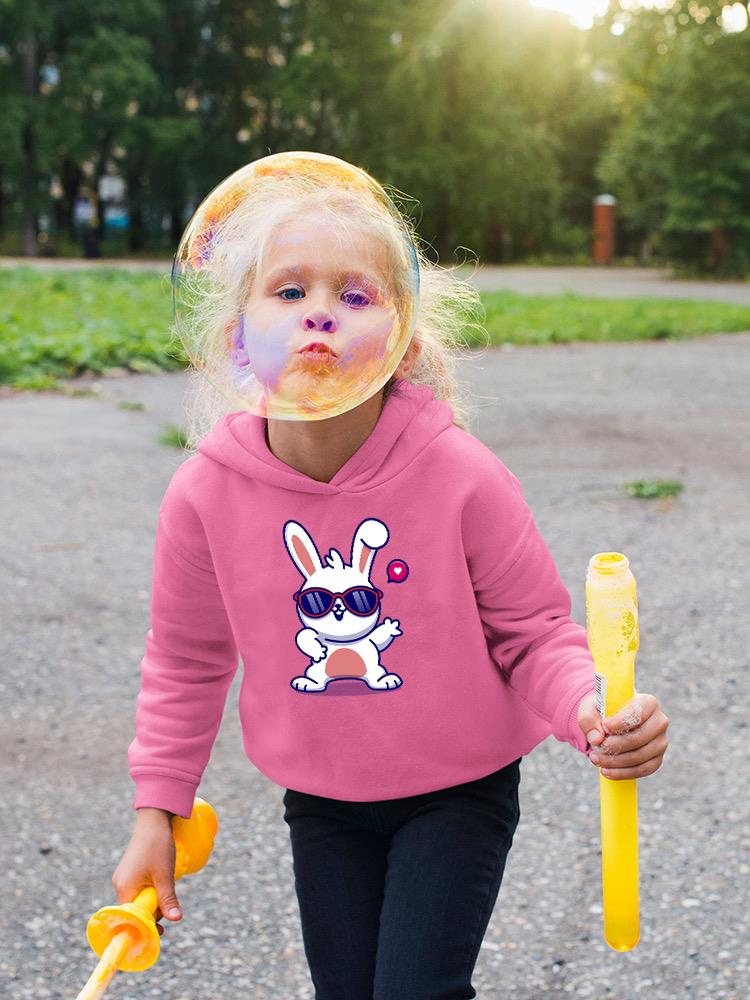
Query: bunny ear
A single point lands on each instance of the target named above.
(302, 549)
(370, 536)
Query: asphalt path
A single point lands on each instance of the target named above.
(81, 485)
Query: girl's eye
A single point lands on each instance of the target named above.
(357, 299)
(353, 298)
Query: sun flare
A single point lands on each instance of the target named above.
(582, 12)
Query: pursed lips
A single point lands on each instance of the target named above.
(315, 347)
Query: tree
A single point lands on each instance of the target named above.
(679, 161)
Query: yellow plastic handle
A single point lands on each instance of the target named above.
(125, 935)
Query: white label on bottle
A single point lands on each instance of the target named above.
(600, 697)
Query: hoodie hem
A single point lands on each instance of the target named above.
(419, 789)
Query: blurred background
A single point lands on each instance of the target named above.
(506, 120)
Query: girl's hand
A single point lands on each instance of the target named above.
(149, 860)
(629, 744)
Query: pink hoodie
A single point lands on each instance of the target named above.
(466, 661)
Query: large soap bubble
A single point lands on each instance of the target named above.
(295, 287)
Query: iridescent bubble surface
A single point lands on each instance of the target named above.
(295, 287)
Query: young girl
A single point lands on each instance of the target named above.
(406, 638)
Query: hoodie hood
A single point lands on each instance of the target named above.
(411, 418)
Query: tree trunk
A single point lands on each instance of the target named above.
(136, 234)
(29, 191)
(175, 225)
(70, 181)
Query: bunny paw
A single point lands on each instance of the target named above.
(306, 684)
(392, 626)
(388, 682)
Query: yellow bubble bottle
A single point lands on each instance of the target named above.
(612, 626)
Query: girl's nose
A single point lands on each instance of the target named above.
(319, 319)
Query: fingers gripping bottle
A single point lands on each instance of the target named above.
(613, 636)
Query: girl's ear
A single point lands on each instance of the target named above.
(407, 362)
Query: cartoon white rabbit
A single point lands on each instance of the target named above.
(339, 608)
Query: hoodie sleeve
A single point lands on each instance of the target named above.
(524, 605)
(189, 663)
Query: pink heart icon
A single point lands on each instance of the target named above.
(397, 571)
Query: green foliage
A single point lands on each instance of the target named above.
(679, 159)
(500, 121)
(439, 99)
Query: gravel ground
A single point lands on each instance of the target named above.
(82, 481)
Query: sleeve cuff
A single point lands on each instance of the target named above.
(161, 791)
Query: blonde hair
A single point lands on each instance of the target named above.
(213, 297)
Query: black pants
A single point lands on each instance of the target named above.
(395, 896)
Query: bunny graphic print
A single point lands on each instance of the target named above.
(339, 609)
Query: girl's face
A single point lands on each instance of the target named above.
(319, 316)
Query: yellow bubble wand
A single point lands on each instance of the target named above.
(126, 936)
(612, 627)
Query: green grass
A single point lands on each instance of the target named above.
(58, 324)
(174, 437)
(653, 489)
(555, 319)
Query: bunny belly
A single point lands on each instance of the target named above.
(345, 663)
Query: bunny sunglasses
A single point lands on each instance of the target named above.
(317, 601)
